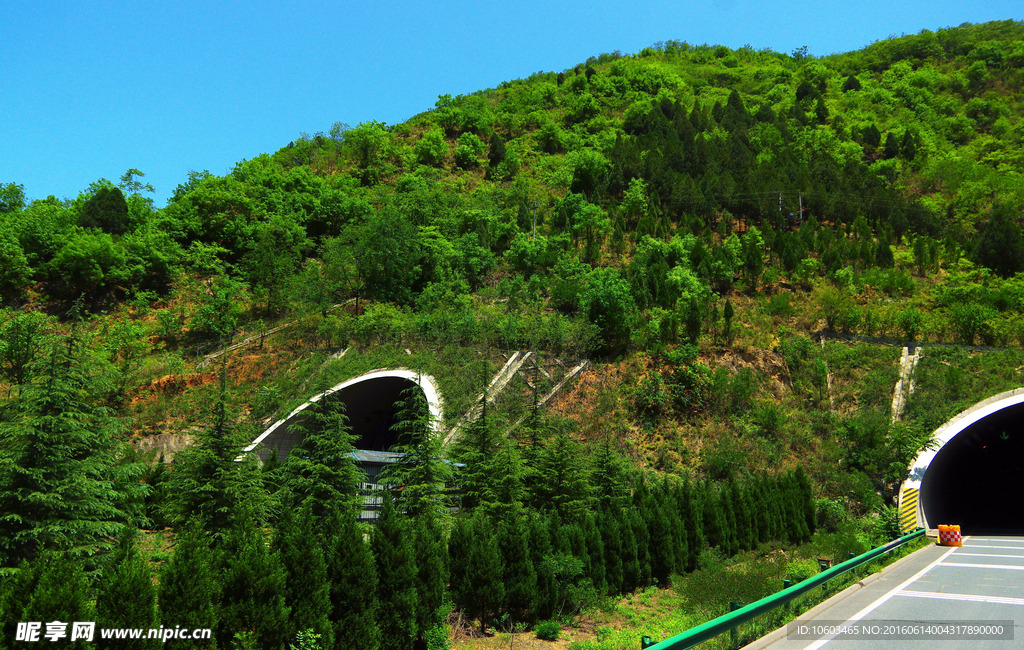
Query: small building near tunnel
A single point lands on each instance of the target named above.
(972, 475)
(371, 405)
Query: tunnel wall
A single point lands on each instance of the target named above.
(278, 436)
(911, 507)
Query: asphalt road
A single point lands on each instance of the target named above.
(969, 597)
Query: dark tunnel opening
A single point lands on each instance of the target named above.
(975, 479)
(373, 407)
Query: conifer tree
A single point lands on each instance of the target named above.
(595, 553)
(60, 484)
(693, 524)
(189, 584)
(561, 480)
(321, 470)
(504, 496)
(607, 478)
(307, 593)
(643, 545)
(630, 555)
(352, 575)
(422, 473)
(15, 593)
(481, 590)
(519, 574)
(396, 579)
(611, 539)
(478, 447)
(431, 559)
(61, 594)
(126, 596)
(253, 587)
(659, 522)
(210, 482)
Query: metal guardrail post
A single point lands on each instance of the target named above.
(727, 622)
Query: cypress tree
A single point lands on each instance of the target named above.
(630, 555)
(189, 584)
(607, 478)
(595, 553)
(611, 539)
(422, 472)
(643, 546)
(662, 545)
(321, 469)
(519, 575)
(15, 593)
(307, 593)
(692, 521)
(209, 482)
(61, 486)
(503, 497)
(352, 575)
(126, 596)
(478, 447)
(391, 544)
(540, 550)
(432, 574)
(484, 590)
(61, 594)
(253, 587)
(561, 480)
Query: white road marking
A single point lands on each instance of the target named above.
(997, 539)
(987, 555)
(1000, 600)
(966, 565)
(1016, 548)
(873, 606)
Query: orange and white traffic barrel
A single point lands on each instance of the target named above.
(950, 536)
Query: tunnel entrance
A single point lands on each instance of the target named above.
(372, 403)
(975, 478)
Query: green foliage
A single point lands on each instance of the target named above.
(548, 630)
(467, 149)
(253, 587)
(320, 470)
(106, 210)
(306, 591)
(431, 149)
(608, 304)
(126, 597)
(189, 583)
(352, 576)
(421, 475)
(397, 577)
(61, 487)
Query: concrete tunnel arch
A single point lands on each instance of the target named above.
(370, 405)
(973, 475)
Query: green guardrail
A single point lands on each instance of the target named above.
(729, 622)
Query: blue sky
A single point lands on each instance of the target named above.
(90, 89)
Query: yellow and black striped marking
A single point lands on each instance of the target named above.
(908, 510)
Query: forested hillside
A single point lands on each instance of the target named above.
(689, 217)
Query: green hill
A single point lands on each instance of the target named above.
(689, 217)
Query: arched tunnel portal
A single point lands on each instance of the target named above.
(372, 404)
(973, 475)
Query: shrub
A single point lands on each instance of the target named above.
(548, 630)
